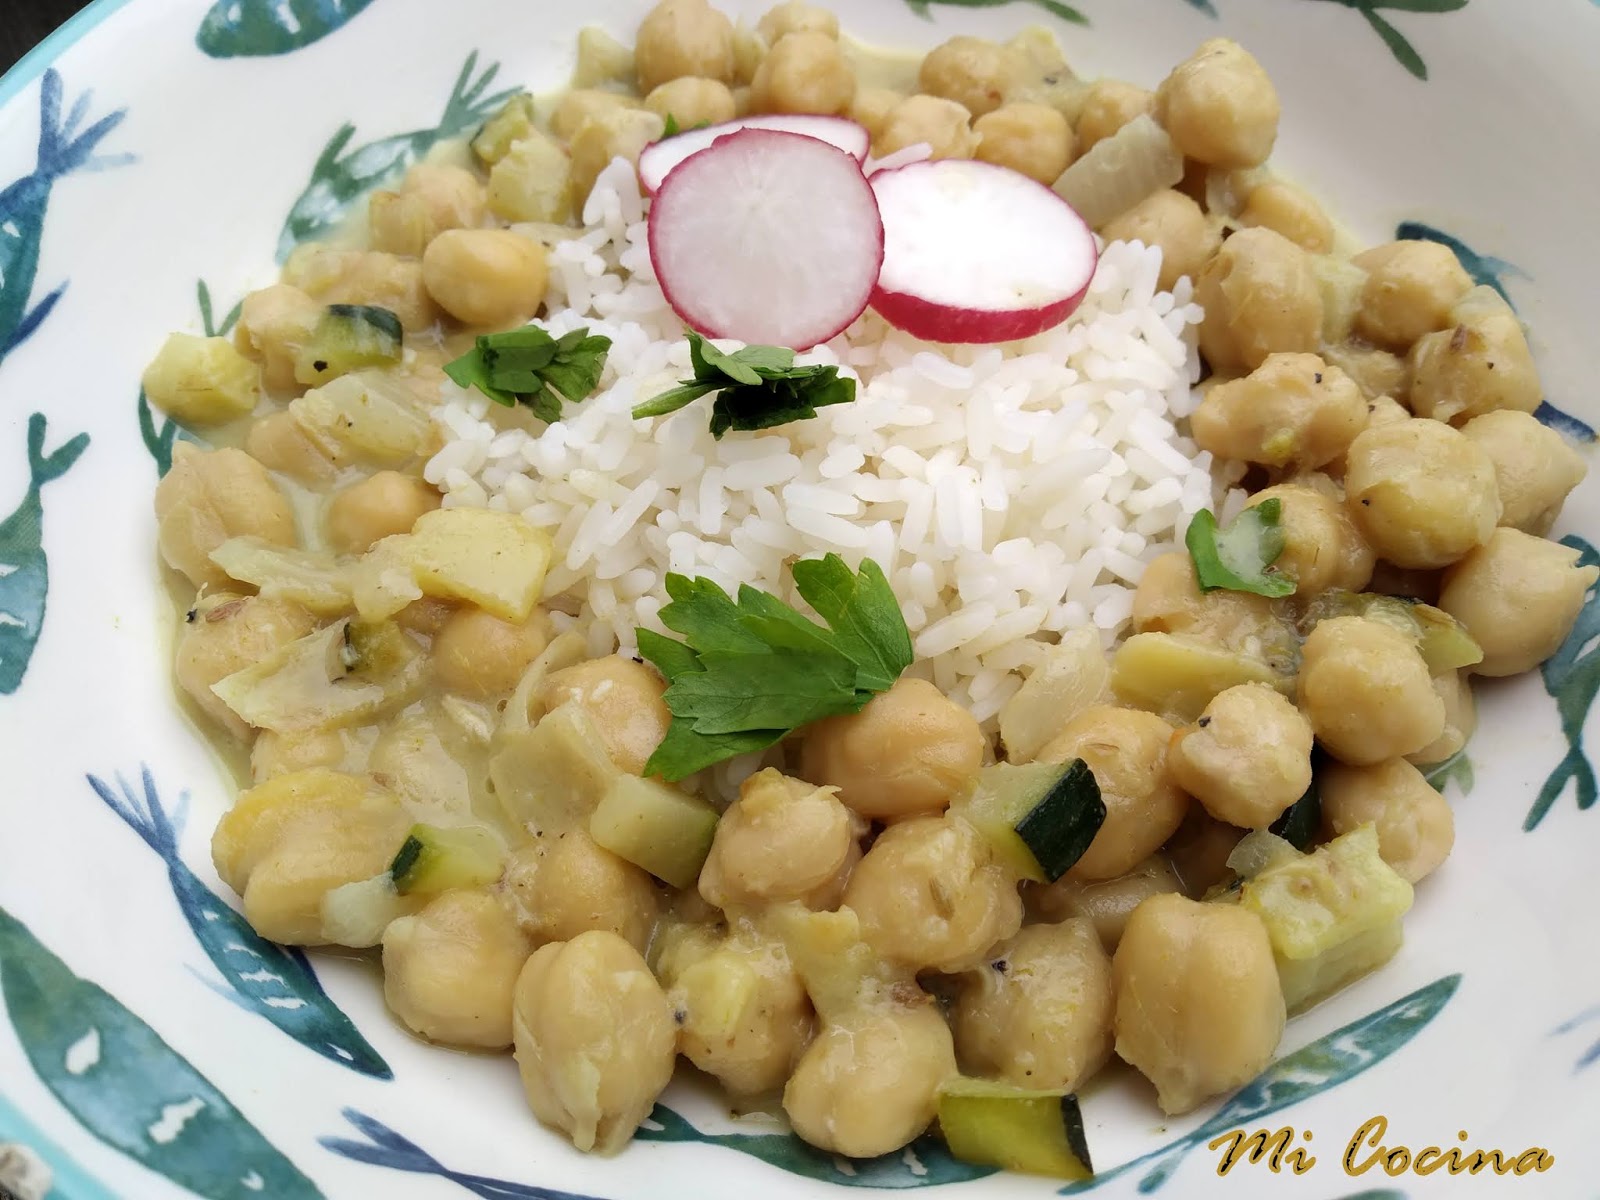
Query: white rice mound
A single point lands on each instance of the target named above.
(1010, 493)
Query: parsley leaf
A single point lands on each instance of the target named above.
(671, 128)
(752, 670)
(530, 367)
(1240, 557)
(759, 387)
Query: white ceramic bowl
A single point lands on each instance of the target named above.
(152, 1044)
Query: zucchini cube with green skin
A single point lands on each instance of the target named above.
(346, 338)
(514, 121)
(995, 1124)
(1332, 915)
(655, 826)
(1037, 817)
(436, 859)
(200, 381)
(1178, 676)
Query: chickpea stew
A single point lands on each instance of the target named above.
(837, 862)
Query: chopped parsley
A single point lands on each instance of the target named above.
(528, 366)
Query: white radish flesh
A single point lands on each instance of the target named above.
(977, 253)
(771, 238)
(660, 157)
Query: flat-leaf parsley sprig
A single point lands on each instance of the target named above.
(529, 366)
(1239, 557)
(750, 671)
(758, 387)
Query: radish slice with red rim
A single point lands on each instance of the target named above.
(977, 253)
(772, 238)
(660, 157)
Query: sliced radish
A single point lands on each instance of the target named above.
(767, 237)
(977, 253)
(660, 157)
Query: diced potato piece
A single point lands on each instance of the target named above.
(655, 826)
(552, 777)
(202, 381)
(497, 560)
(310, 579)
(532, 181)
(510, 125)
(365, 416)
(1071, 676)
(1332, 915)
(1177, 676)
(383, 582)
(601, 59)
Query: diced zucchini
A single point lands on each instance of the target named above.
(514, 121)
(1341, 283)
(278, 572)
(365, 416)
(1302, 820)
(1258, 850)
(601, 59)
(497, 560)
(1443, 642)
(436, 858)
(655, 826)
(346, 338)
(997, 1125)
(1038, 817)
(202, 381)
(532, 181)
(553, 776)
(1332, 915)
(1178, 676)
(356, 914)
(374, 649)
(1070, 677)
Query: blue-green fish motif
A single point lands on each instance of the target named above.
(338, 179)
(924, 1163)
(260, 28)
(1065, 11)
(1572, 676)
(1457, 767)
(124, 1084)
(62, 150)
(386, 1148)
(69, 1181)
(1589, 1016)
(1489, 271)
(159, 441)
(1325, 1063)
(24, 569)
(262, 977)
(1404, 52)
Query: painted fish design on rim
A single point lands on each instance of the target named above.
(1065, 11)
(339, 179)
(24, 569)
(272, 981)
(261, 28)
(67, 1178)
(120, 1080)
(1404, 52)
(62, 150)
(1572, 676)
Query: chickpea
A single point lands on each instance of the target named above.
(931, 895)
(1294, 411)
(595, 1040)
(1411, 288)
(619, 133)
(1127, 751)
(943, 124)
(871, 108)
(1039, 1015)
(1366, 691)
(449, 970)
(280, 443)
(745, 1013)
(1261, 298)
(1176, 224)
(274, 754)
(566, 884)
(433, 198)
(1248, 757)
(1534, 468)
(1479, 365)
(364, 277)
(691, 101)
(796, 16)
(868, 1086)
(381, 505)
(1322, 548)
(580, 105)
(1291, 211)
(974, 72)
(480, 655)
(1033, 139)
(1422, 493)
(623, 698)
(426, 615)
(782, 839)
(1460, 718)
(909, 751)
(1106, 904)
(1385, 410)
(225, 633)
(683, 37)
(804, 73)
(210, 496)
(1169, 600)
(488, 277)
(1220, 107)
(1519, 597)
(1109, 106)
(1416, 829)
(274, 322)
(1199, 1010)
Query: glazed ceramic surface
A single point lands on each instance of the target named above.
(157, 157)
